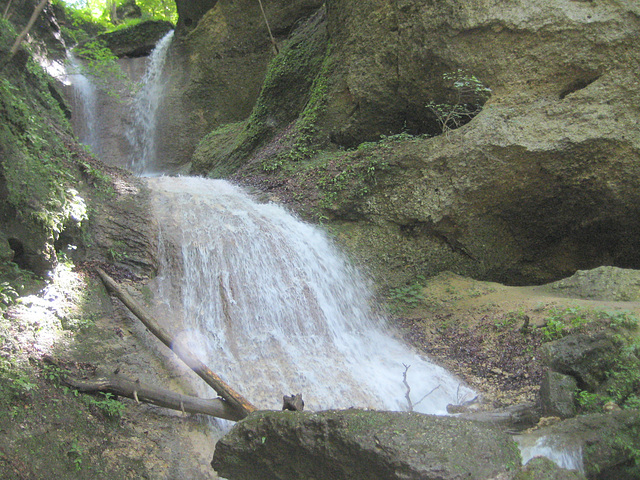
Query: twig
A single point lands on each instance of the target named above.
(408, 394)
(273, 40)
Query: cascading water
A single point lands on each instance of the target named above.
(272, 307)
(142, 135)
(562, 452)
(85, 104)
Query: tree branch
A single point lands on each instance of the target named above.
(236, 401)
(125, 387)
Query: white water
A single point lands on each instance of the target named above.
(271, 306)
(142, 135)
(85, 103)
(562, 453)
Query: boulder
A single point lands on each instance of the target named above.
(541, 468)
(356, 444)
(586, 356)
(557, 395)
(602, 283)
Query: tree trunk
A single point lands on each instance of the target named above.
(235, 400)
(125, 387)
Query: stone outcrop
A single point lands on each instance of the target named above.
(539, 184)
(557, 395)
(355, 444)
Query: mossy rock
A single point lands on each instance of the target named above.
(356, 444)
(138, 40)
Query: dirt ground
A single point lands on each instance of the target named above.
(489, 334)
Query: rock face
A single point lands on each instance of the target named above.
(539, 184)
(355, 444)
(216, 71)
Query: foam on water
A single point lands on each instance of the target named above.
(274, 308)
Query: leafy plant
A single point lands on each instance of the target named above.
(109, 405)
(408, 295)
(75, 453)
(101, 64)
(469, 96)
(8, 294)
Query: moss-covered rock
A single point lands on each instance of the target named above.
(285, 95)
(541, 468)
(138, 40)
(215, 72)
(356, 444)
(610, 443)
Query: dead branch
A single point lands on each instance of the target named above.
(407, 395)
(125, 387)
(235, 400)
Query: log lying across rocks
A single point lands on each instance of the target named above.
(233, 400)
(135, 390)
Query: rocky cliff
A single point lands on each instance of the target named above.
(537, 182)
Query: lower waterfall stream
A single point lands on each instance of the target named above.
(270, 305)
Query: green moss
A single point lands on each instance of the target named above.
(272, 135)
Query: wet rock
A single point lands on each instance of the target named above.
(355, 444)
(557, 394)
(608, 442)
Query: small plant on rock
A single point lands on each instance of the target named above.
(469, 96)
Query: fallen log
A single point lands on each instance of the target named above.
(135, 390)
(235, 400)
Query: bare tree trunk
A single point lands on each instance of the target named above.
(26, 29)
(235, 400)
(125, 387)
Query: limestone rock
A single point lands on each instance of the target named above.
(557, 393)
(603, 283)
(354, 444)
(214, 74)
(541, 183)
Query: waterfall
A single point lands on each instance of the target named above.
(142, 135)
(85, 104)
(270, 305)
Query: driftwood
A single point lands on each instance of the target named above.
(236, 401)
(135, 390)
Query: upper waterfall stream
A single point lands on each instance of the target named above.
(269, 304)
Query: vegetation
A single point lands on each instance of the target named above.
(468, 95)
(104, 13)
